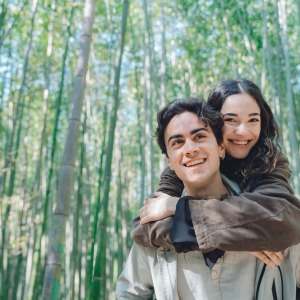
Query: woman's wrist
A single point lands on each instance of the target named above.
(172, 205)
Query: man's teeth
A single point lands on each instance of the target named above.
(195, 162)
(240, 142)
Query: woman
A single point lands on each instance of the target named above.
(266, 215)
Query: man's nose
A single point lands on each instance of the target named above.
(190, 147)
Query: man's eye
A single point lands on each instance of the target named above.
(177, 142)
(199, 136)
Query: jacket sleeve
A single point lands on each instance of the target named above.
(135, 281)
(153, 234)
(158, 234)
(265, 219)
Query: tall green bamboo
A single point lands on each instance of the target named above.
(99, 287)
(228, 34)
(36, 280)
(77, 220)
(289, 95)
(51, 289)
(11, 159)
(36, 191)
(148, 99)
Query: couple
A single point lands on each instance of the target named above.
(189, 133)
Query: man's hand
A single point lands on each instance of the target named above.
(159, 207)
(271, 259)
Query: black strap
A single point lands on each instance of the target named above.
(281, 282)
(260, 279)
(274, 293)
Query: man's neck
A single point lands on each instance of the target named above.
(215, 190)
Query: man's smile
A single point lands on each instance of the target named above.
(195, 162)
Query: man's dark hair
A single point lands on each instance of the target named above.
(178, 106)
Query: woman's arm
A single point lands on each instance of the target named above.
(265, 219)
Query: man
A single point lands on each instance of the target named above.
(189, 133)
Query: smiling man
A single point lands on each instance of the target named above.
(192, 149)
(189, 134)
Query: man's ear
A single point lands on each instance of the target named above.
(222, 151)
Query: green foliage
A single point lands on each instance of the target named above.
(189, 45)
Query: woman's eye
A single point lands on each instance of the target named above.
(254, 120)
(229, 120)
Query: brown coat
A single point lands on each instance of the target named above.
(268, 218)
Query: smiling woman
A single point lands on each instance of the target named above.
(242, 124)
(250, 133)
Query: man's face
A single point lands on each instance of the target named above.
(193, 151)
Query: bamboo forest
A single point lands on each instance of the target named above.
(80, 85)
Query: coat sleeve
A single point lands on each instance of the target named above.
(135, 281)
(265, 219)
(158, 234)
(153, 234)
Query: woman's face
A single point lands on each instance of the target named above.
(242, 124)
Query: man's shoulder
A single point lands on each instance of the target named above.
(231, 185)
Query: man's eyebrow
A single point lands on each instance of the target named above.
(176, 136)
(198, 129)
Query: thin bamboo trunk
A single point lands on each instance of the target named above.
(289, 95)
(228, 39)
(272, 79)
(51, 289)
(10, 161)
(148, 100)
(37, 273)
(99, 287)
(96, 207)
(278, 69)
(36, 190)
(77, 220)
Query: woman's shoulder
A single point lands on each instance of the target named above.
(281, 169)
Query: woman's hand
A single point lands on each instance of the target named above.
(271, 259)
(159, 207)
